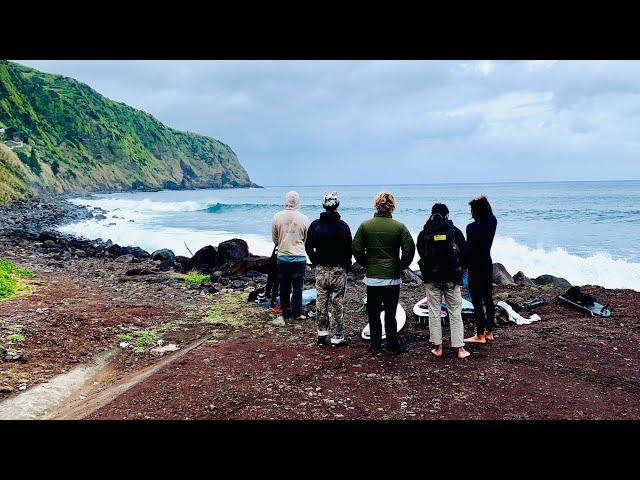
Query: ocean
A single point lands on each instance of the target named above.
(586, 232)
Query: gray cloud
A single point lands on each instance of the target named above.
(392, 121)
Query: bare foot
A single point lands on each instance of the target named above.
(462, 353)
(437, 351)
(475, 339)
(301, 317)
(488, 336)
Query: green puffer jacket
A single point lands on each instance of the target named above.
(377, 246)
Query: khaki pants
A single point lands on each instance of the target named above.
(453, 300)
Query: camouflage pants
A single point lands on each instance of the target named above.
(331, 283)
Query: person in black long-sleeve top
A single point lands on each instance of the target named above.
(480, 235)
(328, 247)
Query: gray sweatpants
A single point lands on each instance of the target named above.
(453, 300)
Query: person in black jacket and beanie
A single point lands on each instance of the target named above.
(480, 235)
(442, 251)
(328, 247)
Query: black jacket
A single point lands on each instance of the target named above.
(480, 235)
(329, 241)
(439, 224)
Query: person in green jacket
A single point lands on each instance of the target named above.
(377, 246)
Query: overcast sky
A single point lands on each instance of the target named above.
(383, 122)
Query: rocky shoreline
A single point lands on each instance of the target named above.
(230, 266)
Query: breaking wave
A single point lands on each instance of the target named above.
(139, 206)
(597, 269)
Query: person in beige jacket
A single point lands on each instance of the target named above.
(289, 232)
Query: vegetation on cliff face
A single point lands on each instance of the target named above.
(77, 140)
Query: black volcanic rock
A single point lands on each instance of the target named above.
(232, 250)
(205, 259)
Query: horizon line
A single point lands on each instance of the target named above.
(445, 183)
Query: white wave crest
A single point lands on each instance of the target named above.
(597, 269)
(144, 205)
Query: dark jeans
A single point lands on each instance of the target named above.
(273, 286)
(379, 299)
(291, 277)
(481, 290)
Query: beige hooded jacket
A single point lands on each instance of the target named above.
(289, 228)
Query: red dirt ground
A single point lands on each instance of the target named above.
(565, 366)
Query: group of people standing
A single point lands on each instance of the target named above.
(384, 247)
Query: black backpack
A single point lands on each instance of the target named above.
(441, 256)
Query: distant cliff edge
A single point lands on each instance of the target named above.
(58, 135)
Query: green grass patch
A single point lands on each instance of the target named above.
(140, 338)
(10, 276)
(217, 317)
(196, 278)
(170, 326)
(16, 337)
(145, 338)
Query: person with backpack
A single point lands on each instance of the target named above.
(328, 247)
(377, 246)
(480, 235)
(442, 251)
(289, 232)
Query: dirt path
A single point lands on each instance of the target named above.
(100, 389)
(39, 401)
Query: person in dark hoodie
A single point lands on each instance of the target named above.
(442, 251)
(328, 247)
(480, 235)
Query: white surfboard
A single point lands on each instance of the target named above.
(401, 319)
(421, 308)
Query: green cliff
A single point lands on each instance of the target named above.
(76, 140)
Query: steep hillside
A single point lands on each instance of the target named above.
(74, 139)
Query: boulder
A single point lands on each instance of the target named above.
(409, 277)
(255, 263)
(128, 258)
(232, 250)
(134, 272)
(522, 280)
(501, 276)
(115, 250)
(137, 252)
(184, 261)
(552, 280)
(163, 255)
(204, 259)
(168, 265)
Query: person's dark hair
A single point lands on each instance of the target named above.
(440, 208)
(480, 207)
